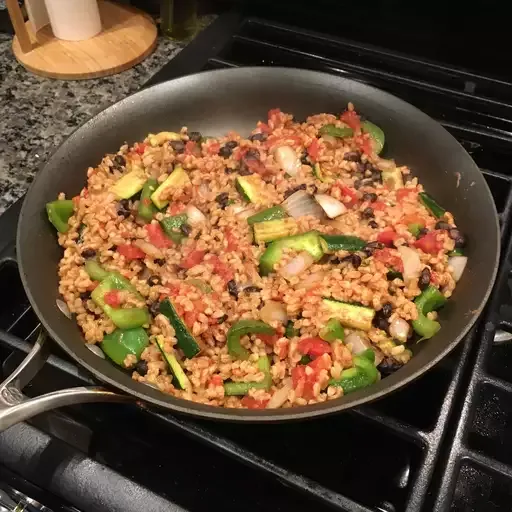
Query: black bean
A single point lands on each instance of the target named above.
(154, 308)
(388, 366)
(225, 152)
(358, 184)
(123, 208)
(186, 229)
(424, 279)
(387, 309)
(85, 295)
(373, 224)
(352, 156)
(360, 167)
(380, 321)
(244, 170)
(258, 136)
(113, 248)
(232, 144)
(372, 247)
(291, 191)
(160, 261)
(304, 159)
(195, 136)
(154, 280)
(370, 196)
(376, 176)
(335, 261)
(119, 161)
(252, 289)
(178, 146)
(368, 213)
(141, 367)
(252, 154)
(88, 253)
(223, 200)
(228, 170)
(233, 289)
(354, 259)
(443, 225)
(457, 237)
(422, 232)
(222, 319)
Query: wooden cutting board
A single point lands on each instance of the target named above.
(127, 38)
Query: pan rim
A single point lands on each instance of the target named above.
(193, 409)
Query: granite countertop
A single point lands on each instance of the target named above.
(39, 113)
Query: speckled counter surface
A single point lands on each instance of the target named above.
(37, 114)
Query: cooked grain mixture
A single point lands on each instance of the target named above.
(283, 269)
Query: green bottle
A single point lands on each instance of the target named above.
(178, 18)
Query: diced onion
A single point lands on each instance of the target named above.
(332, 207)
(300, 203)
(149, 249)
(243, 212)
(399, 330)
(205, 193)
(359, 343)
(63, 308)
(458, 264)
(411, 261)
(273, 311)
(194, 215)
(280, 396)
(287, 159)
(297, 265)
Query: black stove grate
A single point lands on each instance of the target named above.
(380, 457)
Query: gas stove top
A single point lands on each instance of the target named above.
(439, 444)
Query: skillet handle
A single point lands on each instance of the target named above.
(16, 407)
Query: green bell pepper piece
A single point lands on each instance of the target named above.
(333, 243)
(414, 229)
(172, 225)
(122, 318)
(147, 209)
(95, 271)
(362, 375)
(274, 213)
(333, 331)
(431, 205)
(241, 328)
(242, 388)
(376, 134)
(59, 213)
(290, 331)
(456, 252)
(336, 131)
(123, 342)
(429, 300)
(305, 359)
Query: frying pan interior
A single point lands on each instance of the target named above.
(214, 103)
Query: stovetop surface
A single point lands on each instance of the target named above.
(440, 443)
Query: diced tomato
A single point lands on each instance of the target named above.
(192, 148)
(112, 298)
(404, 193)
(389, 258)
(220, 268)
(176, 208)
(193, 258)
(157, 236)
(429, 243)
(320, 363)
(141, 147)
(147, 201)
(130, 252)
(434, 278)
(216, 380)
(93, 286)
(231, 239)
(252, 403)
(314, 347)
(287, 140)
(268, 339)
(350, 118)
(412, 218)
(313, 150)
(348, 192)
(213, 148)
(298, 374)
(308, 390)
(387, 237)
(365, 143)
(379, 206)
(190, 317)
(273, 113)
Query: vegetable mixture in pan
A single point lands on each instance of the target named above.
(283, 269)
